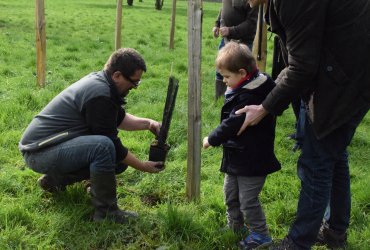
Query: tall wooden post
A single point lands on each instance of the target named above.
(194, 98)
(40, 42)
(173, 17)
(260, 41)
(118, 24)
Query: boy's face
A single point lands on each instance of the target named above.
(231, 79)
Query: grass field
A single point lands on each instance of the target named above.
(80, 37)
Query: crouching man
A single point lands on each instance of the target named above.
(74, 137)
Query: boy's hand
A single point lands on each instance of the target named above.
(206, 143)
(216, 31)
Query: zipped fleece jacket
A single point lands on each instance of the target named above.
(241, 19)
(91, 106)
(327, 49)
(252, 152)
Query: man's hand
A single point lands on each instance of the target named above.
(144, 166)
(206, 143)
(216, 31)
(224, 31)
(253, 115)
(154, 127)
(152, 166)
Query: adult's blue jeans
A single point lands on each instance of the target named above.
(324, 173)
(299, 134)
(95, 152)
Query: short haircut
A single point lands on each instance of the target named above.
(125, 60)
(235, 56)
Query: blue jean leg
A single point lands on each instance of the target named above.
(299, 136)
(324, 173)
(94, 151)
(340, 197)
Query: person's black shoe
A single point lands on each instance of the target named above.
(330, 238)
(285, 244)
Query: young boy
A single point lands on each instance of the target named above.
(249, 157)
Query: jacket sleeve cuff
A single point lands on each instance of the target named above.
(232, 32)
(121, 151)
(273, 105)
(212, 140)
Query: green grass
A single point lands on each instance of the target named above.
(80, 37)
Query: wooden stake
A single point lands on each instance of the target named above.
(40, 42)
(194, 98)
(260, 45)
(118, 24)
(173, 17)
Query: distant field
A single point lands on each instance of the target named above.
(80, 37)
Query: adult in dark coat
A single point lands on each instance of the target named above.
(327, 44)
(235, 21)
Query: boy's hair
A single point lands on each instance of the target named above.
(235, 56)
(125, 60)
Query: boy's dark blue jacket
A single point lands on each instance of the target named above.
(251, 153)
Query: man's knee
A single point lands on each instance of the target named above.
(105, 148)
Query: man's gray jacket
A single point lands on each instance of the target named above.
(91, 106)
(240, 18)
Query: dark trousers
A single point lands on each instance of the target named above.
(95, 152)
(242, 203)
(324, 173)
